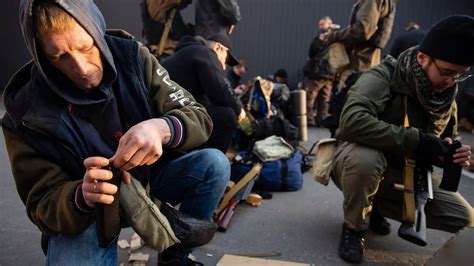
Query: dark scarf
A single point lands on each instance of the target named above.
(437, 105)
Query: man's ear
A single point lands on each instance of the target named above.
(215, 46)
(422, 58)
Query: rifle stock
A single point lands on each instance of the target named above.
(416, 233)
(413, 227)
(223, 219)
(226, 208)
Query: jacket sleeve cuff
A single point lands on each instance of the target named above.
(80, 201)
(177, 131)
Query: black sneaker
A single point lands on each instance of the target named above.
(190, 231)
(351, 245)
(379, 224)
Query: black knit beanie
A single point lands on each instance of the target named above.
(451, 40)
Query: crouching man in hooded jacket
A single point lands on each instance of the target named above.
(92, 99)
(401, 110)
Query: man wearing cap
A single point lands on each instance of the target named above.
(198, 65)
(403, 109)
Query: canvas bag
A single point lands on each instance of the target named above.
(157, 8)
(325, 149)
(336, 56)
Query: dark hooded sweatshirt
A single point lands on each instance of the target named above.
(51, 126)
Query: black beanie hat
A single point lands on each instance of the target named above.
(451, 40)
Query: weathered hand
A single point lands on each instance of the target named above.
(141, 144)
(94, 189)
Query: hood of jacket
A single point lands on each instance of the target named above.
(88, 15)
(189, 41)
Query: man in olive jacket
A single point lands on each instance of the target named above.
(419, 89)
(90, 99)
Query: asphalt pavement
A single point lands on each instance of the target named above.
(301, 226)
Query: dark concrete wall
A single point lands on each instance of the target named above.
(272, 33)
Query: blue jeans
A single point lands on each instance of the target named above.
(196, 180)
(82, 249)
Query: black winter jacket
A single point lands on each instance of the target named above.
(195, 67)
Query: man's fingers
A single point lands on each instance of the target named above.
(96, 162)
(152, 159)
(124, 153)
(139, 158)
(99, 197)
(100, 174)
(104, 188)
(126, 177)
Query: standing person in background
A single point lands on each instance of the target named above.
(410, 38)
(155, 14)
(318, 84)
(216, 17)
(368, 32)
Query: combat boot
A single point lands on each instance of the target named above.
(351, 245)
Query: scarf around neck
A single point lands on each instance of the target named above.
(437, 105)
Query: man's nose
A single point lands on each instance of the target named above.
(79, 65)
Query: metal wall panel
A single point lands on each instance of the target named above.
(272, 33)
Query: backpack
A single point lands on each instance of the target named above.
(278, 126)
(157, 9)
(338, 99)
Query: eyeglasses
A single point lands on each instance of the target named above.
(458, 77)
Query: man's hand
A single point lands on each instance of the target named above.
(142, 144)
(324, 36)
(462, 155)
(94, 185)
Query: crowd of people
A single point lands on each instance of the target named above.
(165, 113)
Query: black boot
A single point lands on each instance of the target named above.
(379, 224)
(351, 245)
(190, 231)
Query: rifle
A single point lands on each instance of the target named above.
(413, 227)
(239, 191)
(418, 190)
(107, 215)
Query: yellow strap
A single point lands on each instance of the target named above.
(166, 30)
(408, 176)
(406, 121)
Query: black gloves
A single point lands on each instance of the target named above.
(430, 148)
